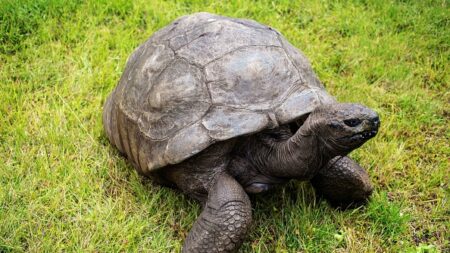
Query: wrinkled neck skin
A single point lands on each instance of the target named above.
(299, 156)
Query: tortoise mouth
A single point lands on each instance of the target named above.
(359, 137)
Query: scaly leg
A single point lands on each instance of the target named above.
(224, 221)
(343, 182)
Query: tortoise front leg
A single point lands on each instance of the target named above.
(224, 221)
(343, 182)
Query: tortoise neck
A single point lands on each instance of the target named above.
(298, 157)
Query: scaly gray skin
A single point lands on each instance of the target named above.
(221, 175)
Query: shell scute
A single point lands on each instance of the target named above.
(224, 123)
(178, 98)
(251, 77)
(222, 37)
(141, 75)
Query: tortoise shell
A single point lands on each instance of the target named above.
(202, 79)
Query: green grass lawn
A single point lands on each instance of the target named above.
(63, 187)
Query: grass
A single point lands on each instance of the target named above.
(64, 188)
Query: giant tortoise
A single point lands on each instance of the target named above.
(222, 107)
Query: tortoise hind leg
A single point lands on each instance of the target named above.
(224, 221)
(343, 183)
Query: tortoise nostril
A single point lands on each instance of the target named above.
(376, 121)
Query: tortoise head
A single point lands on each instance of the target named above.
(343, 127)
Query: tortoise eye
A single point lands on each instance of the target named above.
(352, 122)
